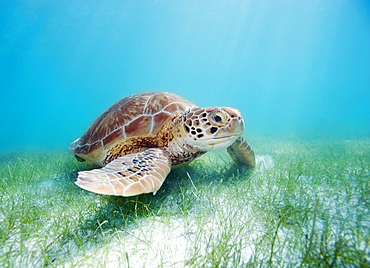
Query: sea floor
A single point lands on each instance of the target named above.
(307, 204)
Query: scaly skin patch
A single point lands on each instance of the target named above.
(170, 131)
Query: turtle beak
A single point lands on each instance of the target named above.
(235, 127)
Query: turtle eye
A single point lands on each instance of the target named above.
(219, 117)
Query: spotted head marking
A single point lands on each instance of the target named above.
(213, 128)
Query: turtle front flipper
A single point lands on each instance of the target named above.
(242, 153)
(128, 175)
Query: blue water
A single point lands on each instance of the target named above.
(300, 67)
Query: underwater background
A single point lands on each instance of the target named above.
(293, 68)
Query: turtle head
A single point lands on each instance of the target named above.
(213, 128)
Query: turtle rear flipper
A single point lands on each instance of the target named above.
(128, 175)
(79, 159)
(242, 153)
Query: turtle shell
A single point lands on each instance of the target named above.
(137, 115)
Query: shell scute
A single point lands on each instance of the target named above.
(113, 136)
(84, 149)
(134, 116)
(139, 126)
(160, 119)
(174, 107)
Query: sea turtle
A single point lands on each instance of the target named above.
(140, 138)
